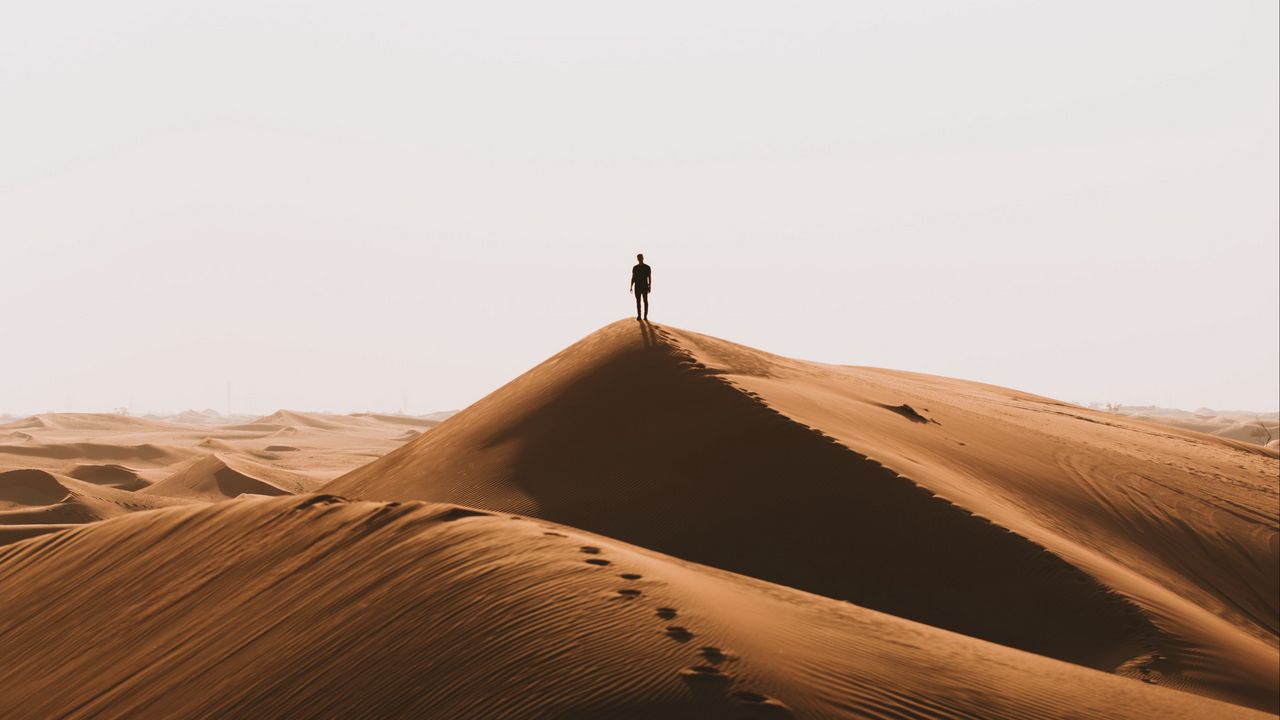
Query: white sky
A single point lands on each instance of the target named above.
(333, 205)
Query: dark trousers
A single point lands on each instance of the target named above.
(642, 295)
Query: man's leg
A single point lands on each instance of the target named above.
(637, 303)
(646, 306)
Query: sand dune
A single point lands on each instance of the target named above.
(34, 502)
(88, 421)
(216, 477)
(998, 549)
(187, 461)
(315, 607)
(152, 448)
(116, 476)
(1256, 428)
(1109, 542)
(296, 419)
(422, 423)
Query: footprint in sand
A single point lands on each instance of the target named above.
(598, 561)
(704, 673)
(629, 593)
(630, 576)
(555, 534)
(679, 634)
(713, 655)
(666, 613)
(772, 706)
(590, 550)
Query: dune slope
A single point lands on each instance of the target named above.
(316, 607)
(1103, 541)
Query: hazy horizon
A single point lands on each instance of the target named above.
(341, 206)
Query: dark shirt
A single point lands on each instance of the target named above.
(640, 276)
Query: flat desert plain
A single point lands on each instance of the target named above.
(653, 523)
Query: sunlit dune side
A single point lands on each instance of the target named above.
(1112, 543)
(197, 460)
(316, 607)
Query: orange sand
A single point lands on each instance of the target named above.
(757, 537)
(1109, 542)
(314, 607)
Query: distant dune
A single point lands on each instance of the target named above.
(155, 461)
(213, 477)
(1257, 428)
(1113, 543)
(315, 607)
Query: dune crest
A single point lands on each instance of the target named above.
(1108, 542)
(318, 607)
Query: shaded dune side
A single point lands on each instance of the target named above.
(316, 607)
(21, 488)
(662, 454)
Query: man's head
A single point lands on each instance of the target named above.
(640, 257)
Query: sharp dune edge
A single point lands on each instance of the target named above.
(1002, 555)
(318, 607)
(1113, 543)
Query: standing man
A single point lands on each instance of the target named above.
(641, 283)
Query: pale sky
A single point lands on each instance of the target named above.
(337, 205)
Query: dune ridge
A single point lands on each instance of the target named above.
(319, 607)
(1077, 535)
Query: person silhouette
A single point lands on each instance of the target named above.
(641, 284)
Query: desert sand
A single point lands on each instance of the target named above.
(1109, 542)
(653, 523)
(1250, 427)
(59, 469)
(358, 609)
